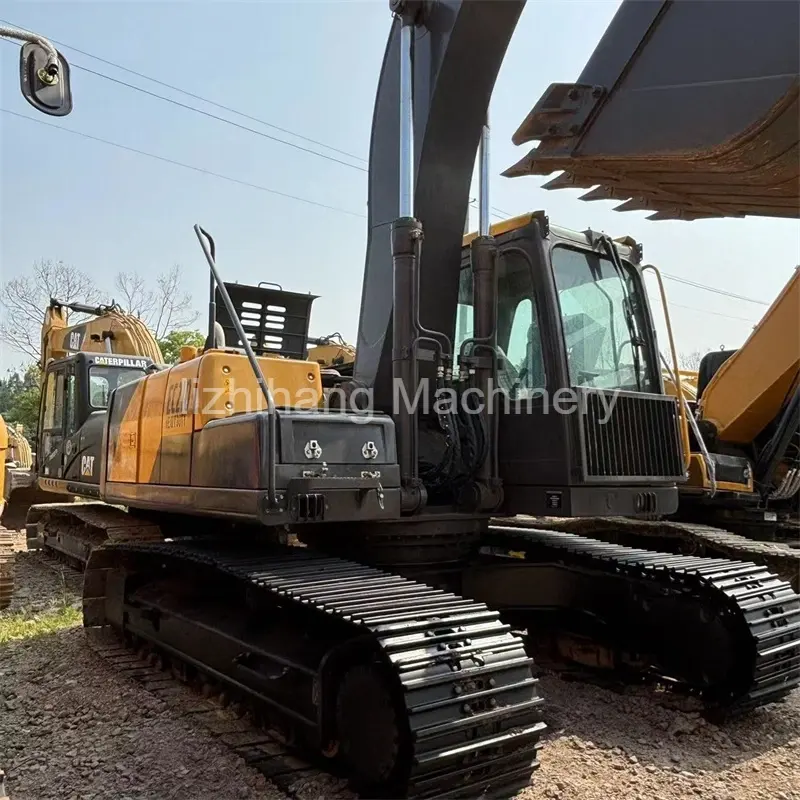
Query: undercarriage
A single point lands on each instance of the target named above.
(684, 538)
(425, 688)
(409, 690)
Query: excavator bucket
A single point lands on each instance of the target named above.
(687, 108)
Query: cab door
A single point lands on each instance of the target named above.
(50, 451)
(74, 463)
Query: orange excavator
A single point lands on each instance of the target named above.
(338, 569)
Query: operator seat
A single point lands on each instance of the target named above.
(709, 365)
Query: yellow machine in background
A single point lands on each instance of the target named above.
(18, 488)
(688, 381)
(18, 448)
(110, 330)
(17, 492)
(333, 352)
(746, 407)
(73, 391)
(741, 392)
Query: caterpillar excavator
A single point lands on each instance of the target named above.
(330, 558)
(81, 366)
(18, 479)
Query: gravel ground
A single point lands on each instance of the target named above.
(72, 728)
(630, 746)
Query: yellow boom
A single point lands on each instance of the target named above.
(749, 389)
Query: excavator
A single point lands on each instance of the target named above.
(331, 560)
(80, 365)
(748, 428)
(743, 409)
(17, 491)
(18, 481)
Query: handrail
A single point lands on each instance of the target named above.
(207, 243)
(683, 407)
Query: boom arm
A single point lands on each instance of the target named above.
(748, 391)
(459, 47)
(110, 331)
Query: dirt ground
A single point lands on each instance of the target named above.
(71, 728)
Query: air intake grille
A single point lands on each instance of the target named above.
(630, 435)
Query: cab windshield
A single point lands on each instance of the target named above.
(602, 320)
(103, 381)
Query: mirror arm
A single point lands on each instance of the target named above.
(51, 68)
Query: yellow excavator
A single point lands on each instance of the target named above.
(744, 472)
(81, 364)
(17, 481)
(18, 488)
(394, 639)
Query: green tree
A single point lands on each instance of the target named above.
(171, 344)
(19, 399)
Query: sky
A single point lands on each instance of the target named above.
(310, 68)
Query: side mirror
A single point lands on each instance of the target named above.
(43, 84)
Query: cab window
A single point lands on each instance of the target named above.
(54, 401)
(603, 319)
(521, 369)
(103, 381)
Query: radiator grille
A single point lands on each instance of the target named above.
(638, 439)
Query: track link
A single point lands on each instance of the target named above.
(670, 536)
(70, 531)
(445, 697)
(6, 568)
(760, 611)
(205, 704)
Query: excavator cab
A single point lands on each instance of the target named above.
(578, 371)
(75, 398)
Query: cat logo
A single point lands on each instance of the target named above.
(87, 466)
(75, 340)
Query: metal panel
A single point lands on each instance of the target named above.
(275, 321)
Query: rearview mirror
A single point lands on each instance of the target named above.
(45, 86)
